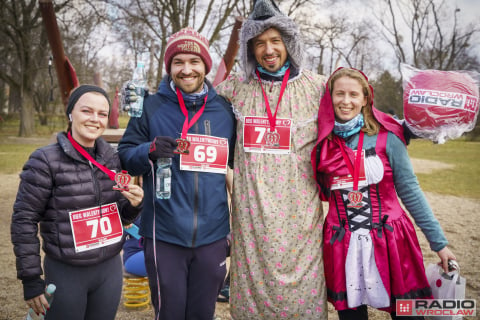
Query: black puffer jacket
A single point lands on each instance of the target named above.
(55, 180)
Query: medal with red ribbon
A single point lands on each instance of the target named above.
(183, 143)
(355, 196)
(121, 178)
(182, 146)
(272, 137)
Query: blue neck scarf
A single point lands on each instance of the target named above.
(349, 128)
(279, 73)
(191, 96)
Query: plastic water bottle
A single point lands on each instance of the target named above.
(164, 178)
(49, 291)
(139, 79)
(133, 231)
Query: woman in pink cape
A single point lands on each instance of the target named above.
(371, 251)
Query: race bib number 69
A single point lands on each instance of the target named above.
(207, 154)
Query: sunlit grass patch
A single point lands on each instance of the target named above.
(463, 180)
(13, 156)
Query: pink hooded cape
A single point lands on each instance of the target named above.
(326, 121)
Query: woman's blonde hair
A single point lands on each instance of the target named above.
(371, 125)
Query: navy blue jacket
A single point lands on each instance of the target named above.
(197, 212)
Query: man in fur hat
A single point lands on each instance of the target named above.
(276, 266)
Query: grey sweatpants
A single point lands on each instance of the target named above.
(84, 293)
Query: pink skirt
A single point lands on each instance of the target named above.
(398, 257)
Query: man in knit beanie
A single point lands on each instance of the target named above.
(185, 242)
(276, 255)
(187, 41)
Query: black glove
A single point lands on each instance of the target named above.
(162, 147)
(129, 95)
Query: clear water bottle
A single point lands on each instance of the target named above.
(139, 79)
(164, 178)
(49, 291)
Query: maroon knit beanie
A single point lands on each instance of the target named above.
(187, 41)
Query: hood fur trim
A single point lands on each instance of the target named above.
(290, 34)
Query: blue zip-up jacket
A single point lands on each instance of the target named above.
(197, 212)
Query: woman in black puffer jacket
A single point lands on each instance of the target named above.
(80, 216)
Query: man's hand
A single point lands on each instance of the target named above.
(162, 147)
(129, 95)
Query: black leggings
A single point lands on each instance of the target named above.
(85, 293)
(190, 278)
(361, 313)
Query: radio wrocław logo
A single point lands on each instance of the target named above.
(436, 307)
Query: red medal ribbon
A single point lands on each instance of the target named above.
(273, 118)
(354, 171)
(84, 153)
(188, 124)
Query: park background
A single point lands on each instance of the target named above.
(104, 39)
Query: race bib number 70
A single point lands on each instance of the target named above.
(93, 230)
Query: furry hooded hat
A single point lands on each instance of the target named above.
(266, 15)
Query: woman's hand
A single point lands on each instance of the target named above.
(134, 194)
(39, 304)
(445, 254)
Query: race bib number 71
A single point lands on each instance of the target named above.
(257, 136)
